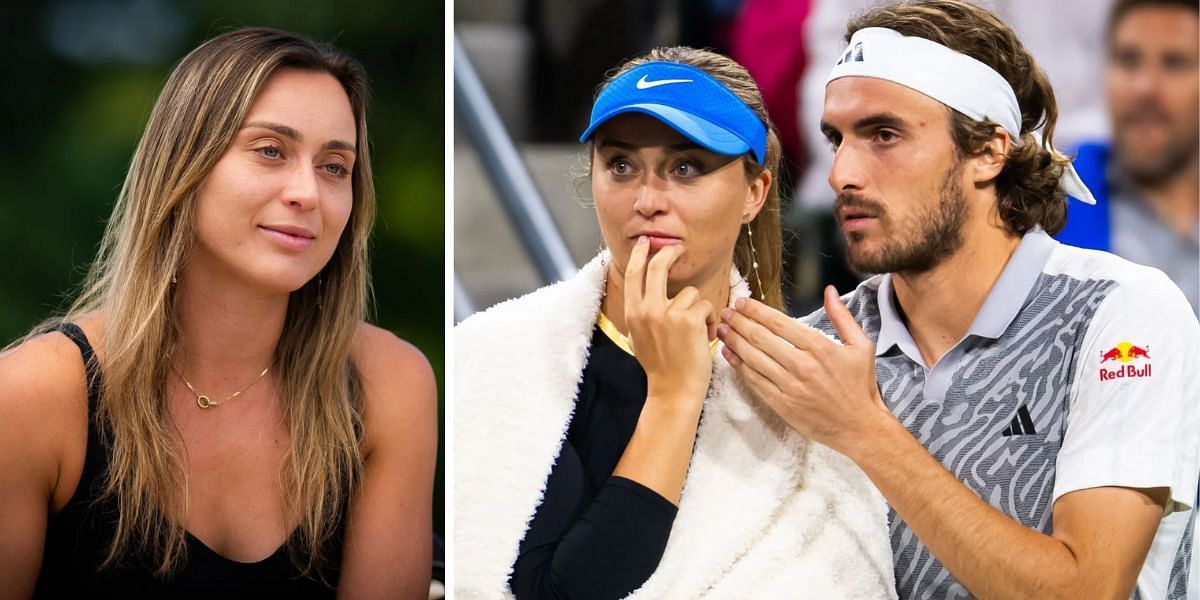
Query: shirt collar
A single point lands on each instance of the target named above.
(892, 331)
(1006, 298)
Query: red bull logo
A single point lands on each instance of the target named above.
(1124, 354)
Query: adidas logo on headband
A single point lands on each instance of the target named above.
(853, 54)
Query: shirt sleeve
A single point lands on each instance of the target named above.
(580, 547)
(1134, 416)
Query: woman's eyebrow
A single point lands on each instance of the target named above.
(338, 145)
(295, 136)
(618, 144)
(283, 130)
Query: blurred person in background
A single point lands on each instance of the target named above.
(572, 43)
(582, 466)
(1147, 178)
(213, 416)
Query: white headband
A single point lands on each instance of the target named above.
(952, 78)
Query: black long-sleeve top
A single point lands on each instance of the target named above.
(595, 536)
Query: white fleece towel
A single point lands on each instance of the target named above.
(764, 513)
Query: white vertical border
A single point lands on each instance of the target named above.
(448, 292)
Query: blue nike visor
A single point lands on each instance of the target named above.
(690, 101)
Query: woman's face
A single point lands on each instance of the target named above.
(647, 179)
(273, 208)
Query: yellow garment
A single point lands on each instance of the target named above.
(610, 329)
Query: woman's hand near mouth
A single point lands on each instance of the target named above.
(670, 338)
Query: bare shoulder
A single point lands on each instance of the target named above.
(40, 374)
(43, 397)
(380, 354)
(387, 548)
(400, 386)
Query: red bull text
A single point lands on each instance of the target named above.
(1124, 354)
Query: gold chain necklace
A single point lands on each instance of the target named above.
(204, 401)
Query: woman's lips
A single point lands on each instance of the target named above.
(290, 241)
(658, 242)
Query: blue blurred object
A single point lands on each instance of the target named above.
(1088, 226)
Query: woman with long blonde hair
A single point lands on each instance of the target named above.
(234, 427)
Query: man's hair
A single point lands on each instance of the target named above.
(1027, 188)
(1121, 8)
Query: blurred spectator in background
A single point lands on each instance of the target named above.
(573, 44)
(768, 38)
(1146, 179)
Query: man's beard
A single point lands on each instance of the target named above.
(927, 240)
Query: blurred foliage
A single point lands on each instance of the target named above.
(83, 77)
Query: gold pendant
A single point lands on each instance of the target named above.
(204, 402)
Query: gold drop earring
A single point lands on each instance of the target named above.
(754, 258)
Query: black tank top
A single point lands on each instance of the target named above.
(78, 537)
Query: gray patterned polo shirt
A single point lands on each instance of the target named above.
(1079, 371)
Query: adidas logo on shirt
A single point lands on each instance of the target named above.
(1021, 424)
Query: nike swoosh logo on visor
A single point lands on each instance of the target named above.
(642, 84)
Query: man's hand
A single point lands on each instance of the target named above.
(828, 393)
(824, 390)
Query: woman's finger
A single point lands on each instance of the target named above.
(656, 273)
(685, 298)
(635, 272)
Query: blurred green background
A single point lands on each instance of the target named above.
(82, 78)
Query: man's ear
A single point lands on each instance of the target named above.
(987, 165)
